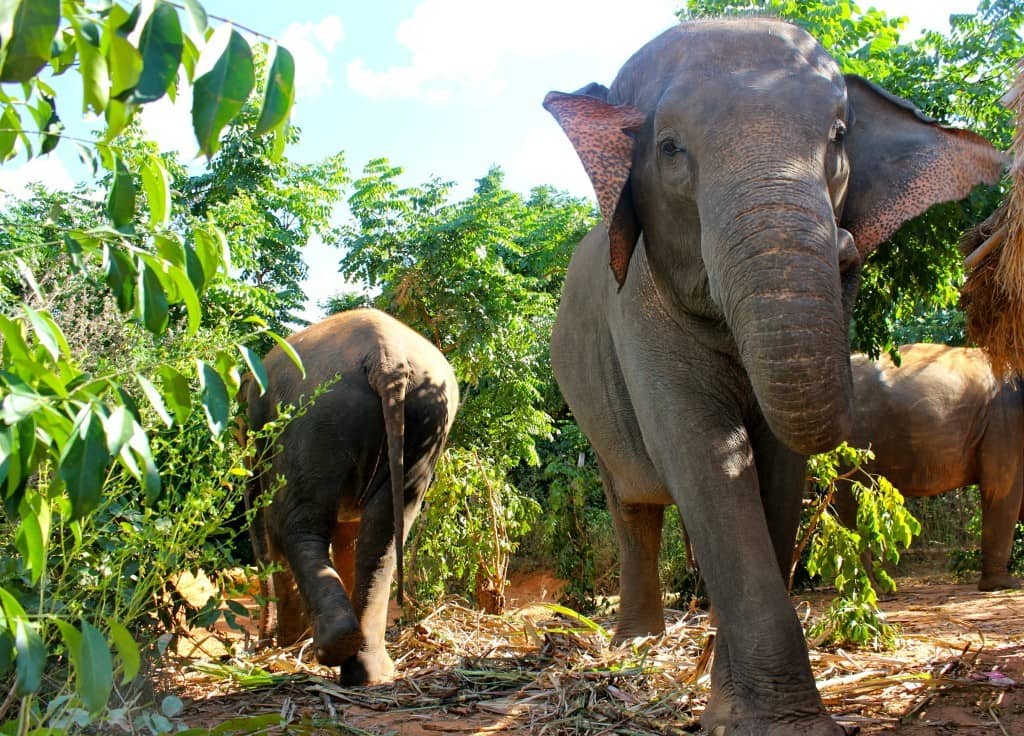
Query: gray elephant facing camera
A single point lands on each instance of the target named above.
(742, 180)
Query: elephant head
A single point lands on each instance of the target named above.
(759, 178)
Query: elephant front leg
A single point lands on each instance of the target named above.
(638, 529)
(761, 680)
(1000, 509)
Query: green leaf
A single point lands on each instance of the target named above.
(35, 25)
(51, 127)
(120, 276)
(176, 392)
(259, 372)
(6, 651)
(157, 186)
(161, 45)
(139, 445)
(119, 428)
(121, 202)
(153, 306)
(33, 531)
(8, 454)
(280, 95)
(8, 9)
(289, 351)
(187, 294)
(118, 114)
(197, 15)
(214, 396)
(31, 658)
(194, 267)
(209, 250)
(84, 463)
(95, 669)
(92, 65)
(125, 65)
(220, 94)
(48, 333)
(10, 125)
(155, 399)
(127, 650)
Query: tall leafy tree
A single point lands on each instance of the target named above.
(480, 278)
(271, 208)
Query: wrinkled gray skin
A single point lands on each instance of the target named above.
(938, 422)
(724, 358)
(356, 466)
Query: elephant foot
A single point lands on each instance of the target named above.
(1000, 581)
(727, 715)
(336, 640)
(817, 726)
(367, 668)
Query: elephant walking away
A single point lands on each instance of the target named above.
(355, 467)
(940, 421)
(701, 339)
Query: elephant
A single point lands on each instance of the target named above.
(701, 340)
(356, 465)
(939, 421)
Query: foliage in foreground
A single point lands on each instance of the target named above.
(107, 440)
(837, 554)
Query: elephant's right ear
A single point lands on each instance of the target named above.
(599, 133)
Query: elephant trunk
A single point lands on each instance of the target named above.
(784, 306)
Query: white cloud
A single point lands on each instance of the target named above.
(170, 123)
(310, 43)
(456, 44)
(329, 32)
(48, 170)
(546, 156)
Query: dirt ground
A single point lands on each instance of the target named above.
(959, 670)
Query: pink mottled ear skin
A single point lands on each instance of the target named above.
(902, 163)
(598, 132)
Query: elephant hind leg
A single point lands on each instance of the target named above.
(336, 634)
(638, 528)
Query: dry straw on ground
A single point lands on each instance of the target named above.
(535, 672)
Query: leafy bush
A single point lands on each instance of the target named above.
(470, 501)
(838, 554)
(106, 437)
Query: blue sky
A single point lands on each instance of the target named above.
(442, 88)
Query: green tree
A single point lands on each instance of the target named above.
(272, 207)
(479, 277)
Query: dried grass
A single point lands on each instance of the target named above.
(463, 671)
(993, 295)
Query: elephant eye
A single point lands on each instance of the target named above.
(838, 131)
(669, 148)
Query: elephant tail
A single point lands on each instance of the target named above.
(393, 399)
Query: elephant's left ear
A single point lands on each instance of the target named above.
(599, 133)
(902, 162)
